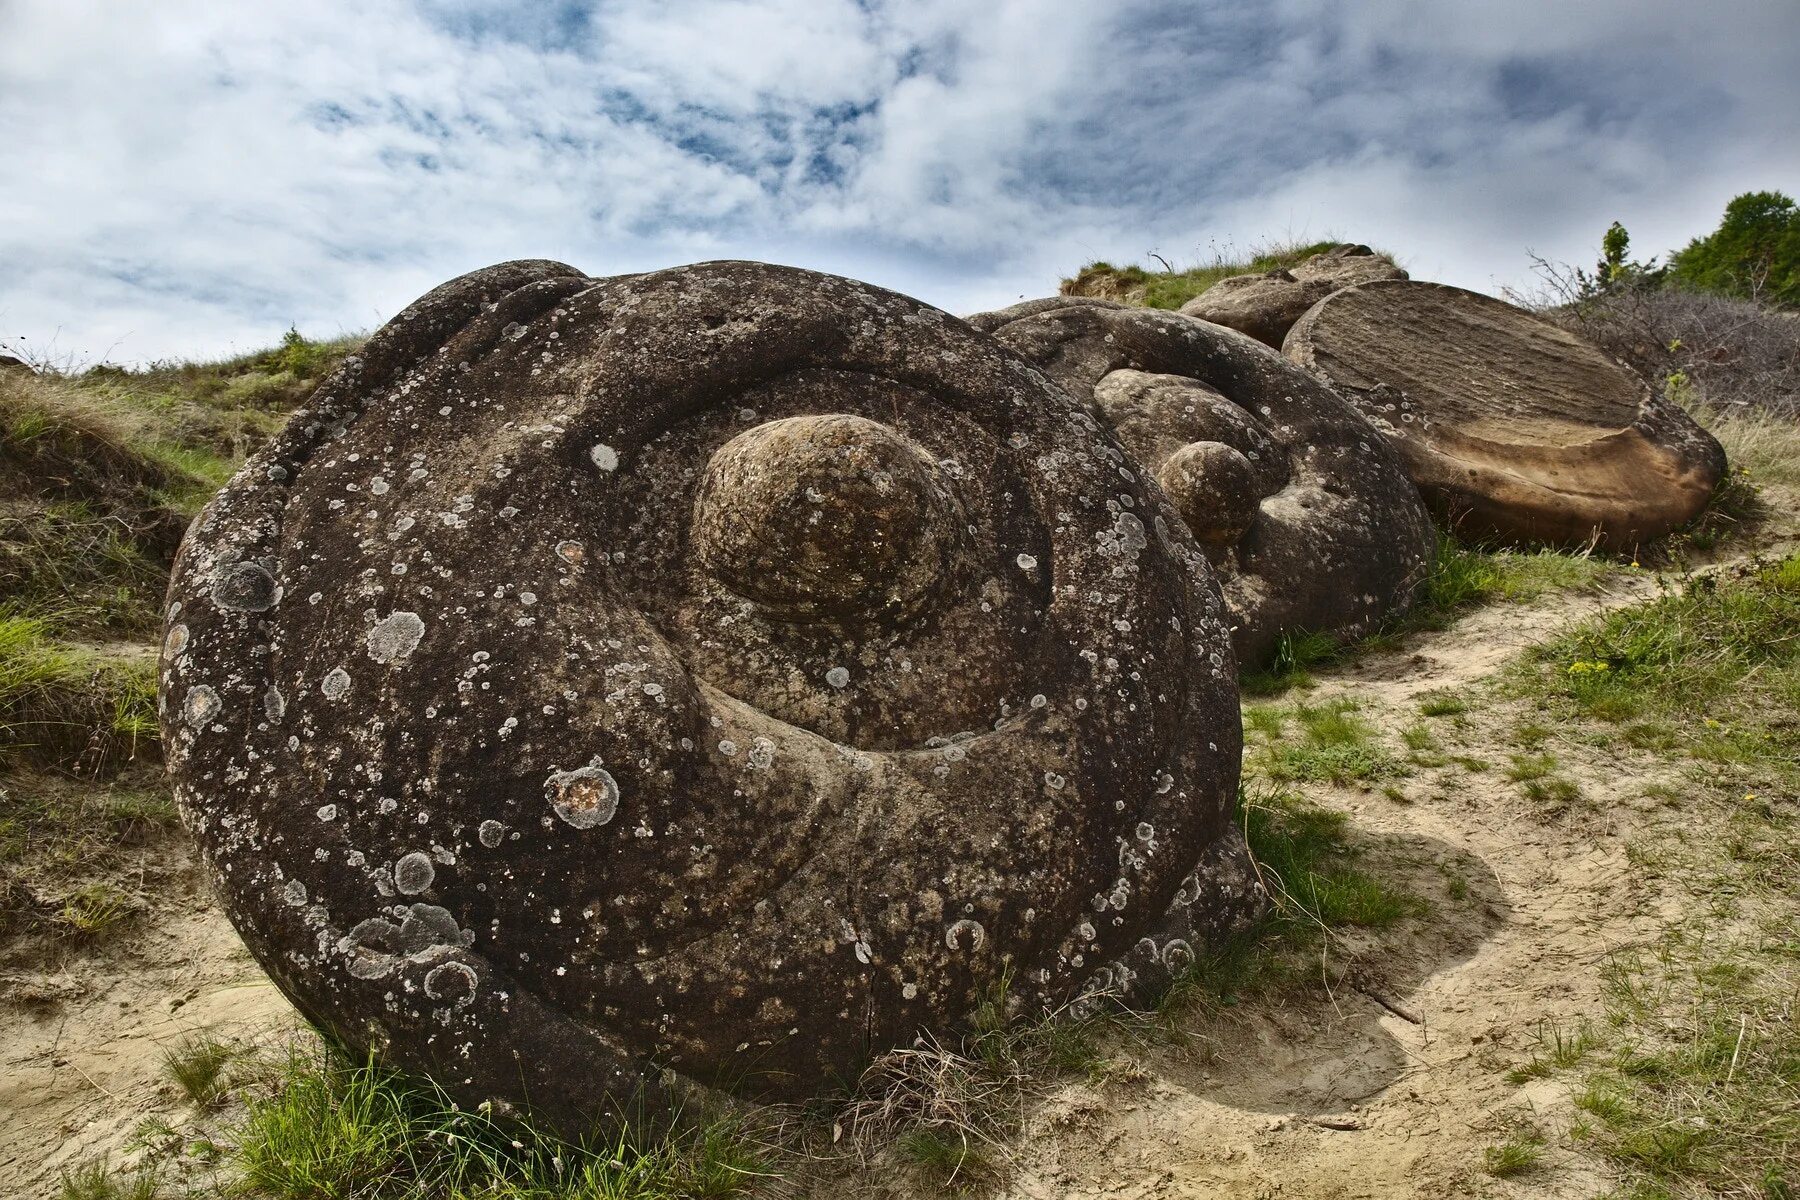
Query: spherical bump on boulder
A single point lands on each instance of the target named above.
(1513, 428)
(824, 516)
(1214, 489)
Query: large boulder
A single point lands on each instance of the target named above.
(697, 680)
(1266, 306)
(1303, 510)
(1512, 426)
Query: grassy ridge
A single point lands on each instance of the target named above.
(1172, 288)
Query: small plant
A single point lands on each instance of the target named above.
(1442, 704)
(947, 1152)
(95, 908)
(196, 1065)
(97, 1181)
(1515, 1156)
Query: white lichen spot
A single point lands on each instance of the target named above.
(1027, 562)
(1039, 700)
(585, 797)
(294, 893)
(838, 677)
(414, 873)
(452, 983)
(604, 457)
(274, 703)
(201, 705)
(1053, 781)
(176, 641)
(909, 991)
(327, 812)
(395, 636)
(965, 929)
(335, 683)
(571, 552)
(491, 833)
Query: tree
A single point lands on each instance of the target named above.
(1755, 251)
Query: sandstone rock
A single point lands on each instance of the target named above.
(697, 680)
(1512, 426)
(1302, 509)
(1266, 306)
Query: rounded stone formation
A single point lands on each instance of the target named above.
(1513, 427)
(1266, 306)
(698, 680)
(1302, 508)
(1214, 489)
(825, 516)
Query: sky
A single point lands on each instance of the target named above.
(188, 180)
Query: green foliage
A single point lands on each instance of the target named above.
(1170, 288)
(1335, 746)
(97, 1181)
(1515, 1156)
(1754, 251)
(196, 1064)
(1689, 654)
(1305, 859)
(69, 707)
(334, 1130)
(1697, 1092)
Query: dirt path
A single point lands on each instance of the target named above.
(1389, 1086)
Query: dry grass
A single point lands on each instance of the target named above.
(1171, 288)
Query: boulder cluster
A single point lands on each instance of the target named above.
(631, 690)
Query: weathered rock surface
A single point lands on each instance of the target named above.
(1266, 306)
(1303, 510)
(705, 677)
(1513, 427)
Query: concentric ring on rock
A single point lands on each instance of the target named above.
(1305, 513)
(602, 824)
(1511, 426)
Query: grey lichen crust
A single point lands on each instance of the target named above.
(693, 680)
(1303, 509)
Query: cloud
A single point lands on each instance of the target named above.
(191, 178)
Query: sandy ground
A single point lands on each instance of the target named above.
(1388, 1084)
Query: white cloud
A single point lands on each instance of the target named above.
(189, 178)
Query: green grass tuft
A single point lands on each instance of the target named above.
(331, 1129)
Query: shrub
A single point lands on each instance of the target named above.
(1754, 252)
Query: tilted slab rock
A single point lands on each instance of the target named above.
(705, 677)
(1512, 426)
(1303, 510)
(1266, 306)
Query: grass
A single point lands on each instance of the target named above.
(101, 469)
(97, 1181)
(1515, 1156)
(66, 848)
(329, 1129)
(1462, 576)
(1335, 745)
(71, 708)
(196, 1064)
(1306, 861)
(1710, 670)
(1696, 1094)
(1171, 288)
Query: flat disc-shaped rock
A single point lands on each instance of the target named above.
(705, 677)
(1514, 427)
(1300, 505)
